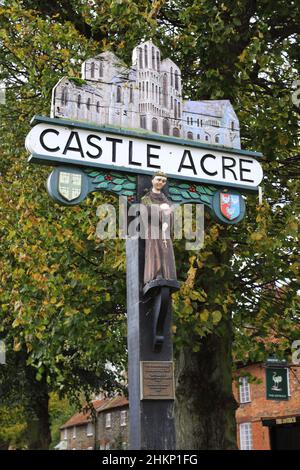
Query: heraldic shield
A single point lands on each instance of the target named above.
(69, 185)
(230, 205)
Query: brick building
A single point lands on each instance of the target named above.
(261, 424)
(267, 424)
(108, 429)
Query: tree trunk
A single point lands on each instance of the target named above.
(38, 434)
(205, 406)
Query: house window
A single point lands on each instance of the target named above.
(98, 107)
(190, 135)
(246, 436)
(88, 104)
(108, 420)
(123, 418)
(171, 102)
(147, 90)
(188, 121)
(244, 390)
(78, 101)
(92, 70)
(171, 76)
(65, 434)
(198, 136)
(191, 121)
(146, 56)
(153, 58)
(175, 109)
(232, 125)
(100, 70)
(74, 432)
(217, 139)
(131, 94)
(207, 137)
(156, 93)
(143, 122)
(175, 132)
(154, 129)
(89, 429)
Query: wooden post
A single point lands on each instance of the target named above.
(151, 420)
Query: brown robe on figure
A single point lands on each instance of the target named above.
(159, 254)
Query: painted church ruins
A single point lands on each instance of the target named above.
(148, 96)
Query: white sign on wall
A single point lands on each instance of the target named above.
(129, 152)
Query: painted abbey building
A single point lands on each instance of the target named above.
(147, 95)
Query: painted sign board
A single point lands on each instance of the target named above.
(276, 383)
(63, 142)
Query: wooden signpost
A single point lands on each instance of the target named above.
(89, 157)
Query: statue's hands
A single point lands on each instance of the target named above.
(166, 208)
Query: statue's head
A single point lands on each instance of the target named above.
(159, 180)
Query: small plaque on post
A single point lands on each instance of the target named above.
(157, 380)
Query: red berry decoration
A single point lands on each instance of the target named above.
(108, 177)
(192, 189)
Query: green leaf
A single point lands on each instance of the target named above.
(216, 316)
(176, 198)
(118, 180)
(129, 186)
(117, 188)
(103, 185)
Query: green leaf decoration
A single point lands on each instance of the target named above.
(116, 175)
(118, 181)
(99, 179)
(92, 174)
(186, 194)
(206, 199)
(194, 195)
(103, 185)
(174, 190)
(176, 198)
(127, 193)
(184, 186)
(117, 188)
(129, 185)
(132, 178)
